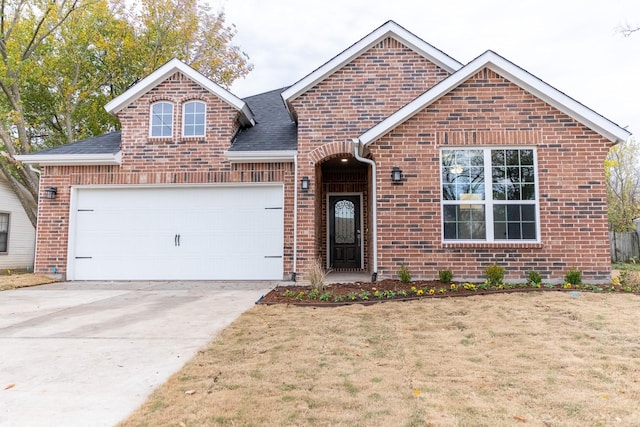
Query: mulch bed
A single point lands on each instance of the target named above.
(339, 294)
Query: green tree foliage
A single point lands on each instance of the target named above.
(622, 171)
(61, 61)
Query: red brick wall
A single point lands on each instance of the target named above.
(485, 111)
(353, 99)
(146, 160)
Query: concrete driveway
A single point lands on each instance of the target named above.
(89, 353)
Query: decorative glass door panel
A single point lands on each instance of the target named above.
(344, 232)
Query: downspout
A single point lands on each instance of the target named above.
(295, 217)
(374, 197)
(35, 246)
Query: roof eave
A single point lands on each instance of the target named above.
(389, 29)
(267, 156)
(162, 73)
(514, 74)
(71, 159)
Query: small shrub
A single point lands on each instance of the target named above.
(534, 278)
(573, 276)
(325, 296)
(404, 274)
(446, 276)
(317, 275)
(364, 295)
(495, 274)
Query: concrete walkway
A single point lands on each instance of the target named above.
(89, 353)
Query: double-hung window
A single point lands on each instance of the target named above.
(193, 118)
(489, 194)
(4, 232)
(162, 119)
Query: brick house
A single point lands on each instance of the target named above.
(390, 153)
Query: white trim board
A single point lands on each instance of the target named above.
(514, 74)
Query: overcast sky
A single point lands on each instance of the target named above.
(573, 45)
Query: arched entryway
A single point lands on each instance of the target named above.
(344, 213)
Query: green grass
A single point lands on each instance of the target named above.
(625, 266)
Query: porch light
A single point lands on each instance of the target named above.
(304, 183)
(396, 175)
(50, 192)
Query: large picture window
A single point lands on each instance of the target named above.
(489, 194)
(193, 116)
(4, 232)
(162, 119)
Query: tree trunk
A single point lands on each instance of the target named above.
(26, 199)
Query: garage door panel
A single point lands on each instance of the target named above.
(220, 233)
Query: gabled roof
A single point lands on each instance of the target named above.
(168, 69)
(274, 129)
(98, 150)
(388, 29)
(514, 74)
(274, 137)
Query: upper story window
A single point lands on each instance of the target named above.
(193, 118)
(489, 194)
(162, 119)
(4, 232)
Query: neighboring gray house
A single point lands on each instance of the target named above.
(17, 234)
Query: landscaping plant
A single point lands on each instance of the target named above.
(573, 276)
(317, 275)
(404, 274)
(446, 276)
(495, 274)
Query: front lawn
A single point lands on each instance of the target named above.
(547, 358)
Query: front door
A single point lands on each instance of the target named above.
(344, 232)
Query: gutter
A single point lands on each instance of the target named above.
(357, 147)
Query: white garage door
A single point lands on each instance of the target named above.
(187, 233)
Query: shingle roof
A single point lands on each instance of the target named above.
(274, 129)
(108, 143)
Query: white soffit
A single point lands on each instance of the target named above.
(71, 159)
(389, 29)
(164, 72)
(514, 74)
(261, 156)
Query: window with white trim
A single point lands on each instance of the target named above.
(4, 232)
(489, 194)
(161, 119)
(193, 118)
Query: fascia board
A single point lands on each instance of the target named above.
(556, 98)
(261, 156)
(514, 74)
(162, 73)
(390, 29)
(71, 159)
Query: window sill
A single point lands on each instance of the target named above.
(493, 245)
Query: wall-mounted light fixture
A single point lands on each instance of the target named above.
(304, 183)
(396, 175)
(50, 192)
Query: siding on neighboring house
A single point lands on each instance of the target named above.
(22, 234)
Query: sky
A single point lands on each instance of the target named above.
(573, 45)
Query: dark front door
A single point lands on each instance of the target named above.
(344, 232)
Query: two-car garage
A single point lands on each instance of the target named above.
(230, 232)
